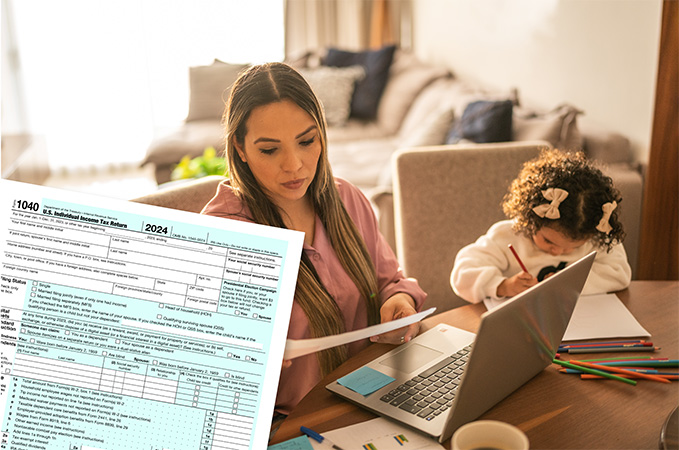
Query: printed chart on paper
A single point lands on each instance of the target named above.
(126, 326)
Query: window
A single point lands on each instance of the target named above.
(99, 77)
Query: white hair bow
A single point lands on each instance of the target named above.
(604, 224)
(551, 210)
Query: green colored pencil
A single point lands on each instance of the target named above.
(594, 372)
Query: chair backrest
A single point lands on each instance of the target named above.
(445, 197)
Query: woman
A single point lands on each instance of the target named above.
(280, 176)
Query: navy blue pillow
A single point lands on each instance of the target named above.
(483, 121)
(368, 91)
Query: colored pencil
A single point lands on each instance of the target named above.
(578, 371)
(590, 343)
(516, 255)
(668, 363)
(621, 371)
(606, 344)
(610, 349)
(595, 372)
(622, 358)
(588, 376)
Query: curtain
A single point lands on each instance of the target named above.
(347, 24)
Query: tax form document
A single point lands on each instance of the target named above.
(129, 326)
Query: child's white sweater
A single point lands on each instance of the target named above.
(480, 267)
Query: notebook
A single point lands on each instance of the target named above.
(447, 377)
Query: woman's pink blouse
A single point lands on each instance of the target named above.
(304, 373)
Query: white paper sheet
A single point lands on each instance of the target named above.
(602, 316)
(294, 348)
(381, 433)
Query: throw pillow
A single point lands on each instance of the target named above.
(209, 89)
(559, 127)
(483, 121)
(432, 131)
(334, 87)
(368, 92)
(408, 77)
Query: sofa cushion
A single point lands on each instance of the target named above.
(432, 131)
(191, 139)
(361, 162)
(376, 64)
(558, 126)
(408, 76)
(334, 87)
(601, 144)
(210, 87)
(442, 94)
(483, 121)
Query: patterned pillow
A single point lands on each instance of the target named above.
(334, 87)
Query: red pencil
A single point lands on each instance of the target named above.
(621, 371)
(516, 255)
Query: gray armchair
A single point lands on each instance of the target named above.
(445, 197)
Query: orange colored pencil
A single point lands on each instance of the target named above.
(621, 371)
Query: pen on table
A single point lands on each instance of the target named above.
(516, 255)
(318, 437)
(594, 371)
(618, 370)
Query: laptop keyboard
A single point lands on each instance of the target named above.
(431, 392)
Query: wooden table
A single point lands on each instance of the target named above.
(553, 409)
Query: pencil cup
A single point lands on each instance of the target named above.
(489, 435)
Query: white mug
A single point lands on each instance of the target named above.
(489, 435)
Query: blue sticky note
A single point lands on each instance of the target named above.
(365, 380)
(298, 443)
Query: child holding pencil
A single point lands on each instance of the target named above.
(559, 209)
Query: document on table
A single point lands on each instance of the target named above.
(379, 433)
(602, 316)
(132, 326)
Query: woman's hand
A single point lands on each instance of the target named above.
(397, 306)
(515, 285)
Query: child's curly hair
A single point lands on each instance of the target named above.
(580, 212)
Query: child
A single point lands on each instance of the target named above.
(561, 208)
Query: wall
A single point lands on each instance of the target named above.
(598, 55)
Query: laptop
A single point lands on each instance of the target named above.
(447, 377)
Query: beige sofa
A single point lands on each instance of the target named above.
(418, 106)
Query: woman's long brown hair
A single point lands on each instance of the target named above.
(274, 82)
